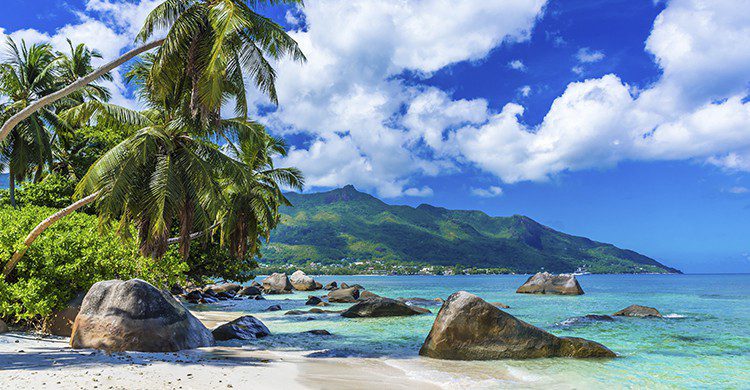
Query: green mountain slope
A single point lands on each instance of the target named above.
(345, 225)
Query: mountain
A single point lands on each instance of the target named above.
(345, 225)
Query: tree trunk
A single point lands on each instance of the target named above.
(12, 188)
(42, 227)
(175, 240)
(76, 85)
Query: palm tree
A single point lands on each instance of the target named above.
(252, 208)
(215, 39)
(216, 44)
(27, 74)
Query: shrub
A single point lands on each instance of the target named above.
(68, 258)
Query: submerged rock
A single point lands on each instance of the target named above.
(422, 301)
(301, 282)
(381, 307)
(586, 319)
(295, 313)
(319, 332)
(638, 311)
(468, 328)
(277, 283)
(343, 295)
(273, 308)
(313, 300)
(243, 328)
(547, 283)
(133, 315)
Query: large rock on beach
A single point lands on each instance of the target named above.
(343, 295)
(230, 288)
(60, 322)
(380, 307)
(301, 282)
(547, 283)
(133, 315)
(638, 311)
(243, 328)
(468, 328)
(277, 283)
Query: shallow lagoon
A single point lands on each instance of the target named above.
(705, 341)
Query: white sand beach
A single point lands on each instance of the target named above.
(30, 361)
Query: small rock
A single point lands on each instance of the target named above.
(546, 283)
(273, 308)
(638, 311)
(243, 328)
(313, 300)
(343, 295)
(381, 307)
(319, 332)
(331, 286)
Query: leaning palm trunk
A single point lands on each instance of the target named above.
(76, 85)
(42, 227)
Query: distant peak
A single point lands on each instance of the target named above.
(349, 187)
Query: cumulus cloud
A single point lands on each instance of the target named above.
(517, 65)
(525, 90)
(489, 192)
(349, 92)
(418, 192)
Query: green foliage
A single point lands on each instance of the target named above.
(344, 227)
(209, 259)
(68, 258)
(54, 191)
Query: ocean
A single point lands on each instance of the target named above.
(704, 341)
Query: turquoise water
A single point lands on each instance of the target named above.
(705, 342)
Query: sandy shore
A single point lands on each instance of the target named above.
(28, 361)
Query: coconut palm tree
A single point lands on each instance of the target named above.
(252, 208)
(27, 74)
(214, 40)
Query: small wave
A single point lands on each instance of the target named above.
(573, 321)
(674, 315)
(342, 353)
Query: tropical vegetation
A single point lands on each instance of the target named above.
(105, 191)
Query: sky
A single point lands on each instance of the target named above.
(623, 121)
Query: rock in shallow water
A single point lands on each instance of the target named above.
(277, 283)
(243, 328)
(133, 315)
(638, 311)
(301, 282)
(468, 328)
(381, 307)
(343, 295)
(249, 291)
(546, 283)
(313, 300)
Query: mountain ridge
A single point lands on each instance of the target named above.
(346, 225)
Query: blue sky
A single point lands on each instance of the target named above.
(623, 121)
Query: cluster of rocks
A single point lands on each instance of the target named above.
(221, 292)
(280, 283)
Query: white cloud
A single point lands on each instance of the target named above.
(525, 90)
(418, 192)
(517, 65)
(738, 190)
(490, 192)
(348, 91)
(586, 55)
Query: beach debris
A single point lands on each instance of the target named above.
(242, 328)
(277, 283)
(547, 283)
(638, 311)
(381, 307)
(301, 282)
(133, 315)
(344, 295)
(469, 328)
